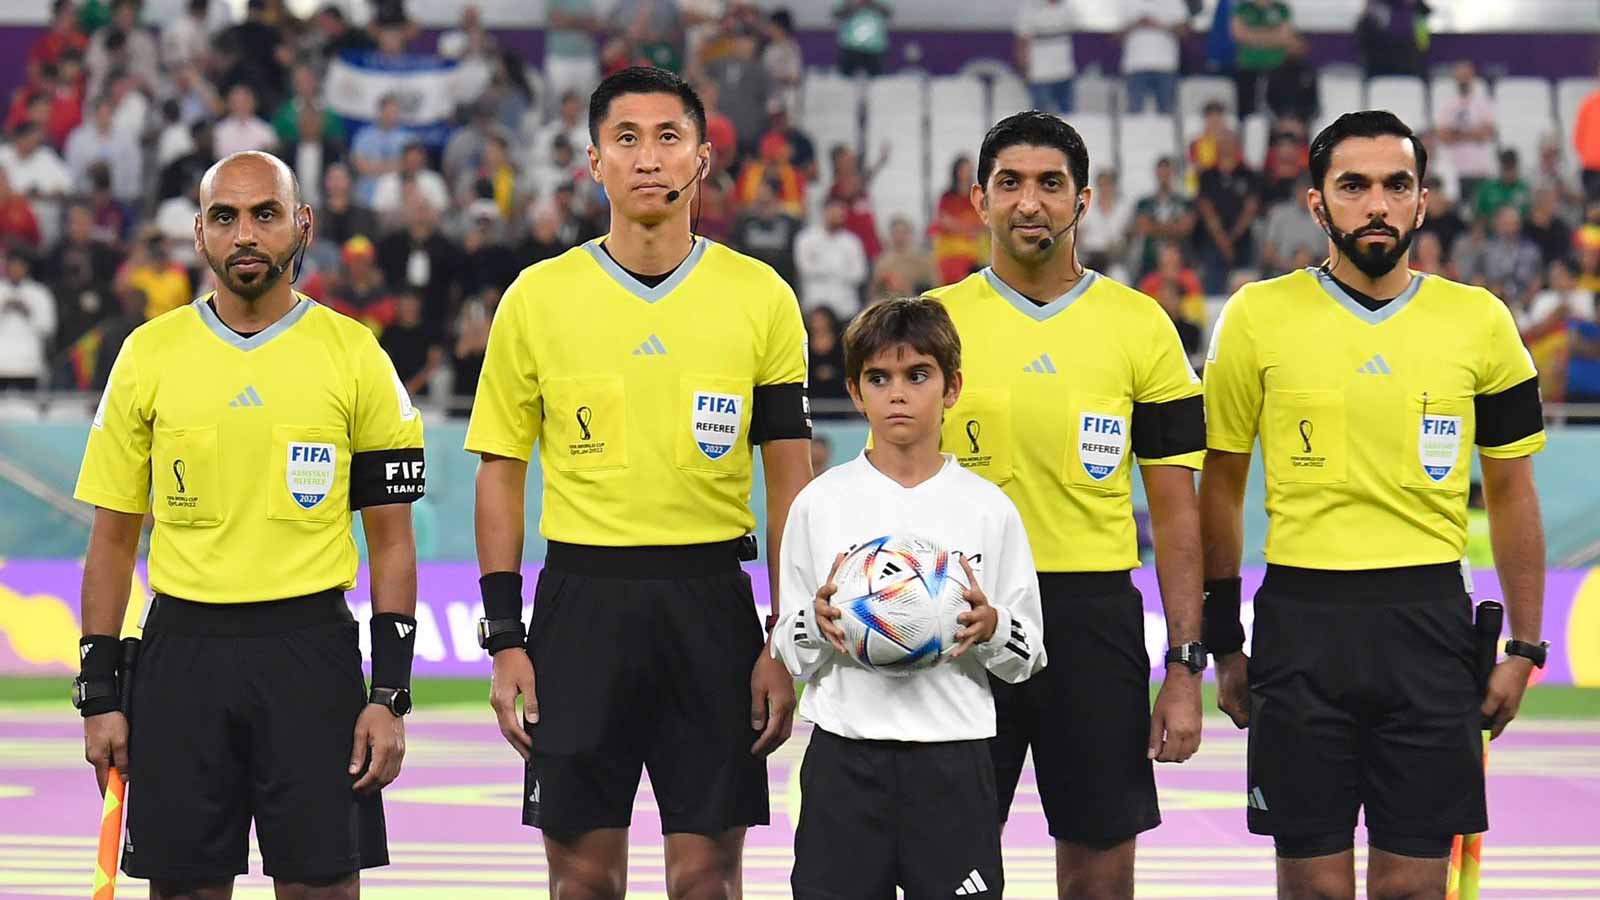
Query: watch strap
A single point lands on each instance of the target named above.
(1535, 653)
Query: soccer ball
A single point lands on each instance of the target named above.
(900, 596)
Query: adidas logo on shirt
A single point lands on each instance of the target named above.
(1374, 366)
(1256, 800)
(973, 885)
(247, 397)
(1042, 365)
(651, 347)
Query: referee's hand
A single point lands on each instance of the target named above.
(1507, 683)
(380, 735)
(825, 613)
(105, 744)
(513, 677)
(1233, 687)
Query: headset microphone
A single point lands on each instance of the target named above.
(672, 196)
(276, 270)
(1049, 240)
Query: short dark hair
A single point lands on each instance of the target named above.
(1367, 123)
(919, 322)
(644, 80)
(1038, 129)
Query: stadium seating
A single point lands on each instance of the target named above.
(956, 123)
(1403, 95)
(1196, 91)
(1525, 113)
(1142, 140)
(896, 105)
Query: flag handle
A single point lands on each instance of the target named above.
(110, 845)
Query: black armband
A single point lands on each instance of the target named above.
(1168, 429)
(502, 602)
(394, 641)
(98, 655)
(779, 412)
(1509, 416)
(1220, 629)
(378, 477)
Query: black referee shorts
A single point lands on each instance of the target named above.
(642, 658)
(1086, 715)
(248, 711)
(1363, 695)
(876, 814)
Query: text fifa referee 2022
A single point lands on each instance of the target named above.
(250, 424)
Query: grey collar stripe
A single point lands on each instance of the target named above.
(1370, 316)
(1028, 307)
(633, 285)
(229, 336)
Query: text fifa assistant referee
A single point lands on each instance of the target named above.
(1367, 386)
(646, 365)
(250, 424)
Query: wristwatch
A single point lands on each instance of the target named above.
(1192, 655)
(1536, 653)
(396, 700)
(86, 691)
(489, 629)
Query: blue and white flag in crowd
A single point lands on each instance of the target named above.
(426, 86)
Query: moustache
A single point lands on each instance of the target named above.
(246, 256)
(1385, 230)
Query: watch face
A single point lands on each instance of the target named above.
(400, 703)
(77, 693)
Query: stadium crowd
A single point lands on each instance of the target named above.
(105, 143)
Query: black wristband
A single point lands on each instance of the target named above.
(502, 601)
(394, 640)
(502, 595)
(1220, 629)
(97, 657)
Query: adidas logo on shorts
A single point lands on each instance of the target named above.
(972, 885)
(1256, 800)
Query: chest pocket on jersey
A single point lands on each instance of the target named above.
(308, 479)
(586, 423)
(184, 482)
(1304, 437)
(978, 432)
(1437, 448)
(711, 427)
(1099, 441)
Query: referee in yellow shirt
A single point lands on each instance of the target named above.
(250, 423)
(1367, 386)
(646, 365)
(1071, 378)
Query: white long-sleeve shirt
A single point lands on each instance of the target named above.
(832, 266)
(949, 701)
(24, 332)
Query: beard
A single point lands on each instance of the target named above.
(1374, 261)
(250, 286)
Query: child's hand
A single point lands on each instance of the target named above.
(825, 612)
(979, 622)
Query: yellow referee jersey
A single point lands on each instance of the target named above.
(251, 452)
(644, 401)
(1058, 396)
(1367, 418)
